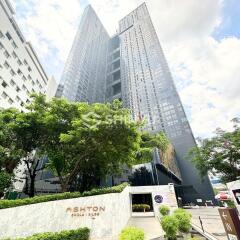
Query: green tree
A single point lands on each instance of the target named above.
(5, 181)
(10, 155)
(9, 152)
(149, 142)
(219, 154)
(94, 141)
(21, 135)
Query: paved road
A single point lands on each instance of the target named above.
(150, 225)
(211, 221)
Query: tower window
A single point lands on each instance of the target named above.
(4, 84)
(116, 75)
(116, 88)
(8, 36)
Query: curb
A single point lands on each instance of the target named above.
(203, 233)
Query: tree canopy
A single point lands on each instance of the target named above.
(83, 142)
(219, 154)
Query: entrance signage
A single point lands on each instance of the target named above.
(158, 199)
(86, 211)
(106, 215)
(231, 222)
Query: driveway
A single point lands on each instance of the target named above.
(211, 220)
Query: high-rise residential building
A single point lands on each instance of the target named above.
(83, 78)
(131, 66)
(21, 73)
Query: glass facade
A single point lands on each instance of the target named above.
(131, 66)
(83, 78)
(149, 91)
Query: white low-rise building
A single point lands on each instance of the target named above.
(21, 73)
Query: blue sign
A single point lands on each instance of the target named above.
(158, 199)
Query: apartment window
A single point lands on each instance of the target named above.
(1, 34)
(4, 95)
(18, 99)
(19, 72)
(29, 69)
(116, 88)
(6, 65)
(14, 44)
(19, 62)
(4, 84)
(14, 54)
(8, 36)
(12, 82)
(1, 46)
(29, 77)
(18, 89)
(116, 75)
(33, 83)
(25, 62)
(22, 104)
(10, 101)
(12, 72)
(116, 64)
(116, 55)
(24, 78)
(24, 87)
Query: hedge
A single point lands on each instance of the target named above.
(77, 234)
(140, 207)
(132, 233)
(60, 196)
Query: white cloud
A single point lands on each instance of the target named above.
(212, 94)
(50, 25)
(206, 71)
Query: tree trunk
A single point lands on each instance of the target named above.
(32, 186)
(64, 186)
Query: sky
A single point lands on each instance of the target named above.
(200, 39)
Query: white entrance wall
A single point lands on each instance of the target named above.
(164, 192)
(106, 215)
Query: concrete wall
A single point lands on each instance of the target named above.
(113, 212)
(165, 192)
(106, 215)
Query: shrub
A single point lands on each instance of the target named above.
(230, 203)
(140, 207)
(164, 210)
(131, 233)
(184, 219)
(77, 234)
(60, 196)
(170, 227)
